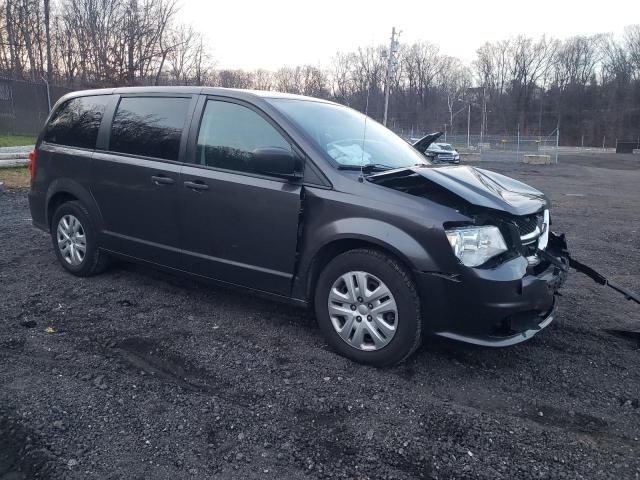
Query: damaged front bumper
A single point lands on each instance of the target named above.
(500, 306)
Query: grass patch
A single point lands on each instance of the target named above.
(16, 140)
(15, 177)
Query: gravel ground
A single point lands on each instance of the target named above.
(138, 374)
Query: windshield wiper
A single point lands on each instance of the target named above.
(368, 168)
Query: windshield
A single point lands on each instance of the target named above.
(445, 146)
(338, 131)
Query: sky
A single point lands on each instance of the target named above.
(271, 34)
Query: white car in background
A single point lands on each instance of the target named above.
(443, 153)
(437, 152)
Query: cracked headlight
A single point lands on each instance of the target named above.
(475, 245)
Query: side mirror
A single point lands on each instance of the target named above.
(276, 162)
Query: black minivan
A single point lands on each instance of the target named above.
(301, 199)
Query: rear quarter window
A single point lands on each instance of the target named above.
(149, 126)
(76, 122)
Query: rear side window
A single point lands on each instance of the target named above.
(230, 132)
(76, 122)
(149, 126)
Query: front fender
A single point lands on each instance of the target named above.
(375, 232)
(382, 234)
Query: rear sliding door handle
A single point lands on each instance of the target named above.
(196, 186)
(162, 180)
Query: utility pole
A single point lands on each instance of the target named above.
(484, 117)
(469, 126)
(540, 115)
(48, 46)
(557, 140)
(518, 151)
(48, 92)
(391, 64)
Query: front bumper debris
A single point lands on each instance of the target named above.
(588, 271)
(504, 305)
(538, 324)
(498, 306)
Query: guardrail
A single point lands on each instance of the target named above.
(14, 159)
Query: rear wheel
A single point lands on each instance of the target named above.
(368, 308)
(75, 240)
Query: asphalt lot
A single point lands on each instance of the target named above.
(137, 374)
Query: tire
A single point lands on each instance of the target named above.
(389, 338)
(92, 261)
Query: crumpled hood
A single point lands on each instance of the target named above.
(480, 187)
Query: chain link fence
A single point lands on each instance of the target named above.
(495, 147)
(506, 147)
(516, 147)
(24, 106)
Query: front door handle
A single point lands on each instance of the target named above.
(162, 180)
(199, 186)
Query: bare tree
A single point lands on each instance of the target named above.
(262, 79)
(589, 84)
(234, 79)
(632, 46)
(454, 81)
(342, 83)
(288, 80)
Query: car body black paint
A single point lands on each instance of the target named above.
(264, 233)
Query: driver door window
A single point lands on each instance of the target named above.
(229, 133)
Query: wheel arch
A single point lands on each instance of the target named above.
(322, 241)
(335, 247)
(63, 190)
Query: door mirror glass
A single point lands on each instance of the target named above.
(275, 161)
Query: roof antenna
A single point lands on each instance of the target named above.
(364, 134)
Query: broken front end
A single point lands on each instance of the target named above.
(504, 303)
(508, 294)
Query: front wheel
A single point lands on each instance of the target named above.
(368, 308)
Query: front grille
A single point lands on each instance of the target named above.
(527, 225)
(530, 228)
